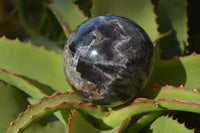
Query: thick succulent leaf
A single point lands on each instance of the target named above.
(143, 121)
(198, 89)
(50, 127)
(21, 84)
(124, 125)
(172, 16)
(178, 71)
(68, 101)
(48, 44)
(49, 105)
(25, 86)
(179, 105)
(78, 124)
(45, 88)
(12, 102)
(67, 14)
(33, 62)
(165, 124)
(139, 11)
(170, 93)
(167, 92)
(142, 106)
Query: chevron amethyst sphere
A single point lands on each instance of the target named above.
(107, 60)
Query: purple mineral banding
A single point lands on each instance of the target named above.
(108, 59)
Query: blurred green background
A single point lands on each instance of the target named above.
(39, 17)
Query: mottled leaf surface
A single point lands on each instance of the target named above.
(172, 15)
(139, 11)
(33, 62)
(165, 124)
(67, 14)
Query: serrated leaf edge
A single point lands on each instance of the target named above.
(30, 43)
(128, 119)
(158, 104)
(60, 21)
(183, 123)
(181, 87)
(30, 106)
(179, 57)
(62, 104)
(70, 120)
(27, 82)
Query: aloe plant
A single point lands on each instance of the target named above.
(35, 97)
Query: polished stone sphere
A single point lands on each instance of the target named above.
(107, 60)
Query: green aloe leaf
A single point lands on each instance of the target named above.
(178, 71)
(172, 15)
(46, 106)
(12, 102)
(26, 87)
(36, 37)
(46, 127)
(139, 11)
(141, 106)
(33, 62)
(124, 125)
(178, 105)
(170, 93)
(68, 101)
(156, 93)
(166, 124)
(77, 118)
(44, 88)
(167, 92)
(67, 14)
(21, 84)
(143, 121)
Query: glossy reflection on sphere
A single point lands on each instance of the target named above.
(107, 60)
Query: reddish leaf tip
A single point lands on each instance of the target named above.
(195, 90)
(17, 39)
(18, 130)
(32, 116)
(12, 123)
(21, 114)
(194, 53)
(4, 37)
